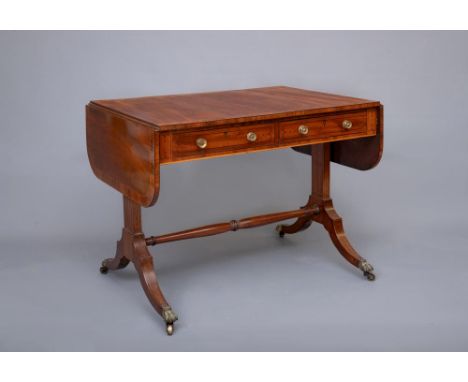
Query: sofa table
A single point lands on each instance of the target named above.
(128, 140)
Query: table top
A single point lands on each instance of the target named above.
(172, 112)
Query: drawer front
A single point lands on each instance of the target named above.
(224, 140)
(306, 130)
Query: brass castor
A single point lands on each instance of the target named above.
(367, 269)
(169, 329)
(103, 270)
(279, 229)
(170, 317)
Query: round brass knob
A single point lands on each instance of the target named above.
(251, 137)
(347, 124)
(202, 143)
(303, 129)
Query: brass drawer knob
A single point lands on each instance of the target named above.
(251, 137)
(347, 124)
(303, 129)
(202, 143)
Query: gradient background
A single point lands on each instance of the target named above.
(247, 290)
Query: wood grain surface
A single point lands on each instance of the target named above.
(128, 139)
(123, 153)
(170, 112)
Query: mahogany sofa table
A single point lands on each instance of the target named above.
(128, 140)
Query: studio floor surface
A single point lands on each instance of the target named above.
(241, 291)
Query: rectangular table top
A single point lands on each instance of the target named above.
(172, 112)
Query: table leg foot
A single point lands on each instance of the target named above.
(117, 262)
(334, 225)
(299, 225)
(143, 262)
(367, 270)
(170, 317)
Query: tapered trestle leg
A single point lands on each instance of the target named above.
(143, 262)
(132, 247)
(333, 223)
(327, 215)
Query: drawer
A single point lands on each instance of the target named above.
(305, 130)
(223, 140)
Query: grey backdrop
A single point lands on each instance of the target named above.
(247, 290)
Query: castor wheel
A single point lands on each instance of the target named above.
(370, 276)
(279, 229)
(169, 329)
(103, 270)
